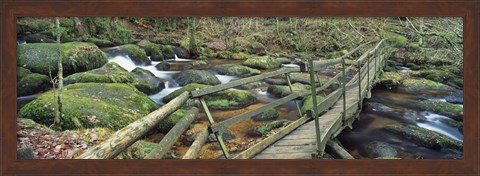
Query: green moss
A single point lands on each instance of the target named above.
(32, 83)
(227, 99)
(22, 72)
(100, 42)
(135, 53)
(444, 108)
(138, 150)
(151, 49)
(264, 129)
(256, 48)
(166, 124)
(225, 54)
(424, 137)
(390, 79)
(283, 91)
(236, 70)
(32, 26)
(196, 76)
(308, 103)
(418, 84)
(43, 57)
(240, 55)
(30, 124)
(197, 63)
(93, 104)
(396, 40)
(167, 52)
(263, 62)
(110, 73)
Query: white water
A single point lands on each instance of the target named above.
(21, 41)
(404, 69)
(225, 79)
(436, 123)
(290, 65)
(176, 59)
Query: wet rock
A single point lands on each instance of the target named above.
(276, 81)
(134, 52)
(100, 42)
(264, 62)
(256, 48)
(236, 70)
(250, 86)
(39, 38)
(283, 91)
(163, 66)
(378, 107)
(196, 76)
(268, 115)
(284, 60)
(377, 149)
(32, 83)
(455, 97)
(226, 136)
(109, 105)
(424, 137)
(43, 57)
(182, 52)
(307, 103)
(188, 140)
(166, 124)
(419, 84)
(413, 117)
(151, 49)
(167, 52)
(240, 55)
(390, 79)
(109, 73)
(146, 81)
(454, 111)
(304, 78)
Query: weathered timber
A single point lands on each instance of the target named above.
(337, 151)
(171, 137)
(324, 63)
(252, 151)
(125, 137)
(194, 150)
(223, 124)
(231, 84)
(335, 78)
(366, 54)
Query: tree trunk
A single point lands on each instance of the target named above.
(58, 112)
(78, 27)
(167, 142)
(125, 137)
(194, 150)
(191, 30)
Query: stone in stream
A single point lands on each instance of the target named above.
(453, 111)
(263, 62)
(276, 81)
(377, 149)
(134, 52)
(390, 79)
(424, 137)
(182, 52)
(420, 84)
(163, 66)
(268, 115)
(378, 107)
(151, 49)
(283, 91)
(39, 38)
(32, 83)
(226, 136)
(236, 70)
(146, 81)
(455, 97)
(196, 76)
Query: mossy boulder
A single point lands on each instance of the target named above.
(419, 84)
(250, 86)
(377, 149)
(39, 38)
(236, 70)
(390, 79)
(308, 103)
(396, 40)
(240, 55)
(304, 78)
(113, 106)
(284, 60)
(32, 83)
(138, 150)
(151, 49)
(76, 57)
(182, 52)
(166, 124)
(443, 76)
(109, 73)
(268, 115)
(100, 42)
(266, 128)
(276, 81)
(225, 54)
(197, 64)
(263, 62)
(196, 76)
(163, 66)
(22, 72)
(134, 52)
(424, 137)
(256, 48)
(146, 81)
(283, 91)
(227, 99)
(454, 111)
(33, 26)
(167, 52)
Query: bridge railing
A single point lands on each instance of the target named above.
(133, 132)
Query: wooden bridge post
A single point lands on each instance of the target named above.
(217, 134)
(314, 112)
(344, 81)
(359, 66)
(287, 77)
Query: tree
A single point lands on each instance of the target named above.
(58, 113)
(192, 47)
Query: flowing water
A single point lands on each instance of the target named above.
(400, 104)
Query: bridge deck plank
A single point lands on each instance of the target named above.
(295, 145)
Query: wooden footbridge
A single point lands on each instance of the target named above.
(304, 138)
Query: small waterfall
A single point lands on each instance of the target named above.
(438, 124)
(290, 65)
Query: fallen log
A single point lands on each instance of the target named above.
(128, 135)
(196, 146)
(171, 137)
(337, 151)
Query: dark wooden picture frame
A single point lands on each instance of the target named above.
(10, 10)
